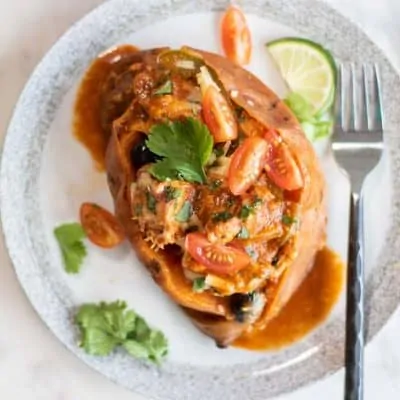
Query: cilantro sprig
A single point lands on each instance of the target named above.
(185, 147)
(105, 326)
(69, 237)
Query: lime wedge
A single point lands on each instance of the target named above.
(308, 69)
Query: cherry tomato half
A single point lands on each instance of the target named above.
(246, 165)
(218, 116)
(100, 226)
(217, 258)
(236, 37)
(280, 165)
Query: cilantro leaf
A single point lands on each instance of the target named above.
(244, 233)
(248, 209)
(136, 349)
(151, 202)
(165, 88)
(69, 237)
(171, 193)
(157, 345)
(199, 284)
(288, 220)
(186, 147)
(222, 216)
(185, 212)
(105, 326)
(98, 342)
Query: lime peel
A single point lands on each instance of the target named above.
(308, 69)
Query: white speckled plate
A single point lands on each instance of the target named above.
(46, 174)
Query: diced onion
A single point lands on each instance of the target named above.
(205, 80)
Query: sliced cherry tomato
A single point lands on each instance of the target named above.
(236, 37)
(218, 116)
(280, 165)
(246, 165)
(217, 258)
(100, 226)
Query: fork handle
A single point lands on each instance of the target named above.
(354, 379)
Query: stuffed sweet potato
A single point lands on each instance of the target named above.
(230, 236)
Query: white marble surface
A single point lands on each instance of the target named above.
(33, 364)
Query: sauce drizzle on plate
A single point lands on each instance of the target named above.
(309, 306)
(87, 125)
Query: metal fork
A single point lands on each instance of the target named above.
(357, 145)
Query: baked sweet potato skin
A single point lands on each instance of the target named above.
(210, 313)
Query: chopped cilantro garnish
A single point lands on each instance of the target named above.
(165, 88)
(248, 209)
(288, 220)
(257, 201)
(221, 216)
(185, 212)
(171, 193)
(251, 252)
(245, 211)
(252, 296)
(199, 284)
(244, 233)
(151, 202)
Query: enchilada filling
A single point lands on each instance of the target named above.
(235, 219)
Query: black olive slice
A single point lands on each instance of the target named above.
(141, 155)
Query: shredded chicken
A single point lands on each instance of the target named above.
(157, 205)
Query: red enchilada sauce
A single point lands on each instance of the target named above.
(315, 298)
(87, 125)
(309, 306)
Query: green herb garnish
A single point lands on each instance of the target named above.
(185, 146)
(151, 202)
(314, 126)
(244, 233)
(171, 193)
(214, 185)
(288, 220)
(165, 88)
(221, 216)
(251, 252)
(199, 284)
(252, 296)
(105, 326)
(69, 238)
(245, 211)
(185, 212)
(248, 209)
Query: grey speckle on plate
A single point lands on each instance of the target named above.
(26, 238)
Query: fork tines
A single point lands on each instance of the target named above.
(360, 103)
